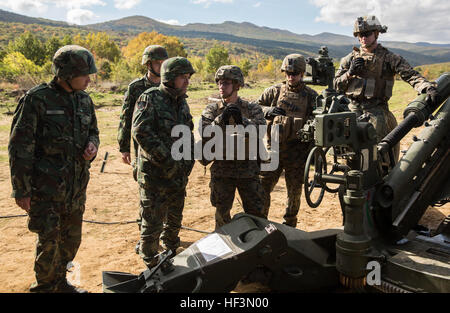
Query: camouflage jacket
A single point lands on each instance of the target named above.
(158, 111)
(135, 89)
(251, 115)
(374, 85)
(49, 133)
(270, 96)
(295, 151)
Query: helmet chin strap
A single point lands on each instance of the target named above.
(153, 71)
(68, 84)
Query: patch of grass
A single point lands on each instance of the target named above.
(106, 99)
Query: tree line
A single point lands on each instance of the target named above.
(27, 60)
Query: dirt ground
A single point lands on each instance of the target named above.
(113, 197)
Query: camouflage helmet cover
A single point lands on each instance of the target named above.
(231, 72)
(294, 63)
(71, 61)
(366, 24)
(154, 53)
(175, 66)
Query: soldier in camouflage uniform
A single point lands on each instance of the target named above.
(152, 58)
(366, 76)
(162, 180)
(54, 138)
(227, 175)
(288, 104)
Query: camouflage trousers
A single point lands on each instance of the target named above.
(222, 196)
(157, 206)
(381, 118)
(293, 174)
(59, 236)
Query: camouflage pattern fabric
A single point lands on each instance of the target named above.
(135, 89)
(222, 196)
(49, 133)
(72, 61)
(158, 111)
(156, 207)
(366, 24)
(154, 53)
(231, 72)
(293, 154)
(229, 175)
(380, 68)
(294, 63)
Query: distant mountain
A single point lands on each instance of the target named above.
(250, 37)
(275, 42)
(6, 16)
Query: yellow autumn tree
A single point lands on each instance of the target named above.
(100, 44)
(136, 46)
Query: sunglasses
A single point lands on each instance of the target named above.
(365, 34)
(292, 74)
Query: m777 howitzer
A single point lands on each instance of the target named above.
(381, 207)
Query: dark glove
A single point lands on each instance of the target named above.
(432, 96)
(236, 114)
(232, 111)
(356, 66)
(275, 111)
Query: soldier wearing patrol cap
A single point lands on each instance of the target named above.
(162, 180)
(288, 104)
(229, 175)
(152, 58)
(366, 76)
(54, 138)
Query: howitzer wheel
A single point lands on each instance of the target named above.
(320, 167)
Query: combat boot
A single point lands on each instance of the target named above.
(41, 288)
(291, 221)
(65, 287)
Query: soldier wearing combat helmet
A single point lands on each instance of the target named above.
(288, 104)
(366, 76)
(54, 138)
(229, 175)
(152, 59)
(162, 180)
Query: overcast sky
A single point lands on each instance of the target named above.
(407, 20)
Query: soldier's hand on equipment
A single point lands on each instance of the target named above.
(236, 114)
(432, 96)
(126, 158)
(90, 152)
(229, 111)
(24, 203)
(275, 111)
(356, 66)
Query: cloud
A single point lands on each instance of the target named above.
(207, 3)
(257, 5)
(22, 6)
(80, 16)
(76, 14)
(407, 20)
(126, 4)
(170, 22)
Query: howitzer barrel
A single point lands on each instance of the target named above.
(416, 113)
(424, 163)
